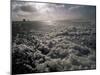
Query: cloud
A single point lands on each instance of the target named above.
(22, 10)
(27, 8)
(74, 7)
(51, 11)
(23, 6)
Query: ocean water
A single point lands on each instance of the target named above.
(51, 46)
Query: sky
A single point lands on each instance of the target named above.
(34, 11)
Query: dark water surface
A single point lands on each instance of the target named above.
(46, 26)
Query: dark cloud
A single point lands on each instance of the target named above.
(27, 8)
(24, 8)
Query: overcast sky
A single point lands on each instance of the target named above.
(46, 11)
